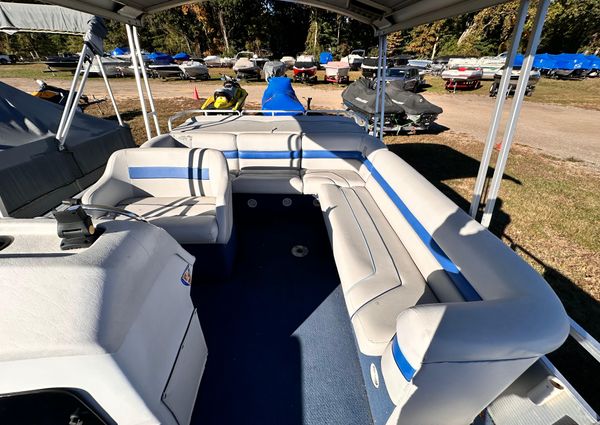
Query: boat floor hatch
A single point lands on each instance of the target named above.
(281, 347)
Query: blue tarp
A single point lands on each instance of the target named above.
(568, 61)
(280, 96)
(120, 51)
(159, 58)
(181, 56)
(325, 57)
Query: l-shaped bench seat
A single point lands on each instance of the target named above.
(454, 315)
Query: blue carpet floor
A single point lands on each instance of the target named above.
(280, 343)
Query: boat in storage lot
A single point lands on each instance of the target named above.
(255, 267)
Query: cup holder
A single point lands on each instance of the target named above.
(5, 241)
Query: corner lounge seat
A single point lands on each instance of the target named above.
(185, 191)
(444, 302)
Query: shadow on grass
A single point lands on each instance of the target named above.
(439, 163)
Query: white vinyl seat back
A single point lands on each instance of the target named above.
(192, 185)
(264, 152)
(506, 316)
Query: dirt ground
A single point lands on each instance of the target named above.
(565, 132)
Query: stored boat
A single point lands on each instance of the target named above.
(534, 78)
(325, 58)
(289, 61)
(337, 72)
(245, 66)
(62, 63)
(274, 69)
(305, 69)
(113, 66)
(355, 59)
(369, 67)
(462, 77)
(194, 70)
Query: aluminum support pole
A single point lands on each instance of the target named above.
(136, 73)
(511, 126)
(146, 83)
(383, 76)
(377, 86)
(497, 114)
(65, 114)
(109, 89)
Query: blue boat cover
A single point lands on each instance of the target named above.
(568, 61)
(160, 58)
(181, 56)
(280, 96)
(325, 57)
(117, 51)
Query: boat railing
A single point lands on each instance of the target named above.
(204, 112)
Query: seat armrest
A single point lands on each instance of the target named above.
(220, 186)
(114, 185)
(503, 329)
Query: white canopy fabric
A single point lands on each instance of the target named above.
(384, 15)
(16, 17)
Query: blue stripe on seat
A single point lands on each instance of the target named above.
(318, 154)
(268, 154)
(169, 173)
(230, 154)
(462, 284)
(405, 368)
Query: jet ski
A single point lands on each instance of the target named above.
(404, 110)
(229, 97)
(280, 96)
(274, 69)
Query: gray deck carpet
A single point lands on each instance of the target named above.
(280, 343)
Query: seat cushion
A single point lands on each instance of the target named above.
(313, 179)
(268, 181)
(188, 219)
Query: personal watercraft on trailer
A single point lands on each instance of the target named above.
(462, 77)
(305, 69)
(274, 69)
(534, 78)
(404, 110)
(59, 95)
(230, 97)
(280, 96)
(337, 72)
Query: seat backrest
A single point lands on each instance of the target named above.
(337, 151)
(269, 151)
(163, 172)
(479, 347)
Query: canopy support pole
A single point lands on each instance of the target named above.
(383, 41)
(377, 87)
(138, 63)
(85, 61)
(518, 98)
(109, 90)
(497, 114)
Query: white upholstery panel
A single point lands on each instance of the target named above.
(224, 142)
(313, 179)
(277, 150)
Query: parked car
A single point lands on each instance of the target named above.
(4, 59)
(409, 75)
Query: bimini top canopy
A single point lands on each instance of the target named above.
(384, 15)
(15, 17)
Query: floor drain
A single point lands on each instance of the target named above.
(299, 251)
(287, 202)
(252, 203)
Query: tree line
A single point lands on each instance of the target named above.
(226, 26)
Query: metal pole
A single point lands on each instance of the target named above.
(146, 83)
(516, 109)
(497, 114)
(136, 73)
(62, 135)
(71, 94)
(109, 90)
(383, 71)
(377, 86)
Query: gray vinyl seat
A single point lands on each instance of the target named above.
(185, 191)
